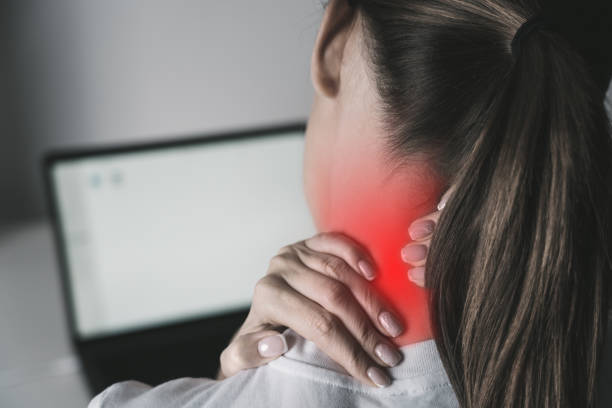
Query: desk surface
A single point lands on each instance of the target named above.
(37, 365)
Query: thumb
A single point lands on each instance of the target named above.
(251, 350)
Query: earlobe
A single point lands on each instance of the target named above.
(329, 47)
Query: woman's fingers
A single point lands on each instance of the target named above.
(251, 350)
(339, 299)
(287, 307)
(345, 248)
(421, 231)
(326, 299)
(339, 272)
(422, 228)
(415, 253)
(338, 257)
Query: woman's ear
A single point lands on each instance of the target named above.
(326, 62)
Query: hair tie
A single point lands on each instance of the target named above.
(524, 31)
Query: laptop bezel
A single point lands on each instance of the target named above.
(52, 158)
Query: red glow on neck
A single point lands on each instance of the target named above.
(376, 207)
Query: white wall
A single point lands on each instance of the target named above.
(95, 72)
(89, 72)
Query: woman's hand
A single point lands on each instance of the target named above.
(326, 301)
(318, 287)
(421, 232)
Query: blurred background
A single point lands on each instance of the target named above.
(89, 73)
(83, 73)
(86, 73)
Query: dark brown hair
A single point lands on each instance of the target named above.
(519, 268)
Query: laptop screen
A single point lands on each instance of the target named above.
(160, 235)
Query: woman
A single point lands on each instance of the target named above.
(413, 97)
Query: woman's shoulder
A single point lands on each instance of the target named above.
(303, 377)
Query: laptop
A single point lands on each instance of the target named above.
(160, 245)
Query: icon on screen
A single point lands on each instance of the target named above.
(116, 178)
(95, 181)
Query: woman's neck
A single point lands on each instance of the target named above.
(376, 210)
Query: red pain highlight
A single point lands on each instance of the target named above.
(375, 206)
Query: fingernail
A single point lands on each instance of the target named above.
(421, 229)
(378, 377)
(443, 201)
(272, 346)
(417, 275)
(414, 253)
(367, 269)
(390, 323)
(387, 354)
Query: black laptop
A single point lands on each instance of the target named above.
(160, 245)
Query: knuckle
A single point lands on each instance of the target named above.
(285, 298)
(285, 250)
(323, 235)
(237, 359)
(343, 240)
(274, 262)
(259, 292)
(330, 235)
(265, 286)
(319, 236)
(333, 266)
(302, 252)
(263, 283)
(336, 293)
(370, 300)
(230, 360)
(279, 261)
(324, 324)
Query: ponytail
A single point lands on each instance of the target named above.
(519, 267)
(520, 264)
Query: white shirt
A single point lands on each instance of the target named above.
(303, 377)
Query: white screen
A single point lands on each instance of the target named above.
(182, 232)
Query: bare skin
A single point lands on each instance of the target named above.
(321, 287)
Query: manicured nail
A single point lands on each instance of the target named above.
(272, 346)
(367, 269)
(378, 377)
(421, 229)
(387, 354)
(414, 253)
(417, 275)
(390, 323)
(443, 201)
